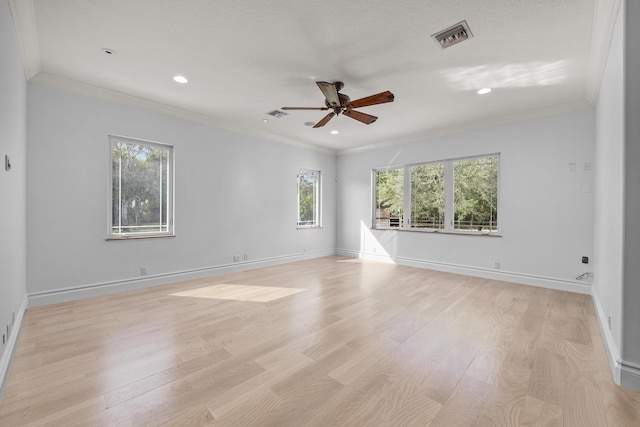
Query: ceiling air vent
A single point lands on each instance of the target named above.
(453, 35)
(277, 114)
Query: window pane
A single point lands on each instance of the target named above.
(389, 198)
(476, 194)
(140, 193)
(427, 196)
(308, 198)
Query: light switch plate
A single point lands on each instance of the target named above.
(7, 163)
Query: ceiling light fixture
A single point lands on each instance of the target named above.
(334, 132)
(484, 91)
(180, 79)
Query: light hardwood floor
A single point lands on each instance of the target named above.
(332, 341)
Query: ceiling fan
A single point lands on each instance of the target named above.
(341, 103)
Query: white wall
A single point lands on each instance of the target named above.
(235, 194)
(13, 142)
(609, 189)
(545, 218)
(616, 288)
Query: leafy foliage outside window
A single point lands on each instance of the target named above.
(427, 196)
(141, 188)
(451, 195)
(476, 194)
(389, 198)
(308, 198)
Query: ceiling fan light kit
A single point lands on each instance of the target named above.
(340, 103)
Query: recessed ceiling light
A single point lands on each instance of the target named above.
(334, 132)
(484, 91)
(309, 123)
(180, 79)
(265, 120)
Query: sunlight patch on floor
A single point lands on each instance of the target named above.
(240, 292)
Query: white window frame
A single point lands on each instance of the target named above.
(374, 183)
(449, 226)
(317, 208)
(170, 213)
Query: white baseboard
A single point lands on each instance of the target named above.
(507, 276)
(625, 374)
(629, 375)
(98, 289)
(7, 356)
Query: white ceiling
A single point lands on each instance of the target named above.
(246, 58)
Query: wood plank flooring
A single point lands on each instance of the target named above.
(342, 342)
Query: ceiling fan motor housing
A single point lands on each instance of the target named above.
(344, 100)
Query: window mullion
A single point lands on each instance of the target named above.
(406, 199)
(448, 195)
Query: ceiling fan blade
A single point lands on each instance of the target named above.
(367, 119)
(330, 92)
(378, 98)
(304, 108)
(324, 120)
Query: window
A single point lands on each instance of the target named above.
(142, 188)
(458, 195)
(389, 199)
(427, 196)
(475, 196)
(308, 198)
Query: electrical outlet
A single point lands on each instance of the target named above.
(496, 265)
(236, 258)
(306, 249)
(4, 339)
(144, 271)
(246, 257)
(609, 320)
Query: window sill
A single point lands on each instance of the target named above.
(460, 233)
(150, 236)
(311, 227)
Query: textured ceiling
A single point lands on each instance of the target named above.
(246, 58)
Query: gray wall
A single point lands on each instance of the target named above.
(234, 194)
(13, 142)
(631, 260)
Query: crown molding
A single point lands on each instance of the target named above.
(24, 21)
(503, 120)
(605, 14)
(85, 89)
